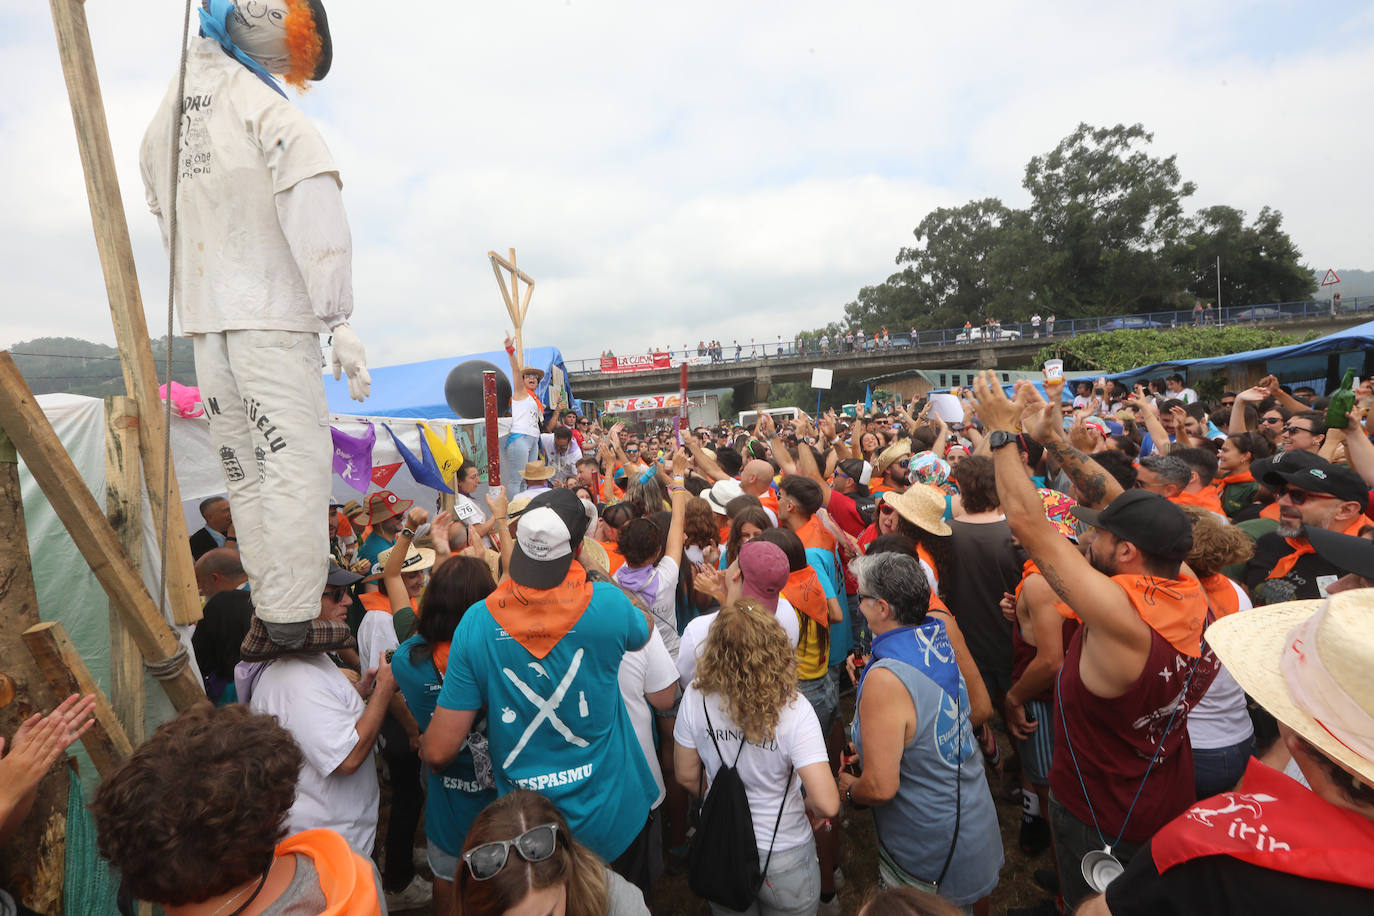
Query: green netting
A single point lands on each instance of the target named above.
(90, 883)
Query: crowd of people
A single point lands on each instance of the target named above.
(639, 655)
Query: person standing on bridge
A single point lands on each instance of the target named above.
(1049, 325)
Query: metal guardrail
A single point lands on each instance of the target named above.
(1019, 331)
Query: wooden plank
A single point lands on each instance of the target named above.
(52, 468)
(124, 509)
(67, 674)
(32, 858)
(121, 286)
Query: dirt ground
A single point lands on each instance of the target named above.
(858, 858)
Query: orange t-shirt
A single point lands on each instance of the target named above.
(346, 878)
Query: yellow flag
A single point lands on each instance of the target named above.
(446, 453)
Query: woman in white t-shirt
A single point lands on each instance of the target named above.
(745, 690)
(521, 446)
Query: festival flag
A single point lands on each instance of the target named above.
(353, 457)
(431, 465)
(868, 401)
(382, 473)
(447, 455)
(425, 474)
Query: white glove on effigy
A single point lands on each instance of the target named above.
(351, 358)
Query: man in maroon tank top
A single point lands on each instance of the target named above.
(1123, 768)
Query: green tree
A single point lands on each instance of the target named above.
(1259, 262)
(1119, 351)
(1104, 210)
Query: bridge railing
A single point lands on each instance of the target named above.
(1014, 331)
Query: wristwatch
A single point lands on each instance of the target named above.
(999, 438)
(847, 797)
(408, 534)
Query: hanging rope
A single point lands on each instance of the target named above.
(171, 305)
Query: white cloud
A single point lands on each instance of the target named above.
(718, 170)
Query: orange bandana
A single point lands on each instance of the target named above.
(804, 592)
(813, 534)
(936, 602)
(1206, 498)
(1174, 608)
(345, 877)
(440, 656)
(378, 601)
(1222, 483)
(538, 618)
(1302, 547)
(1220, 595)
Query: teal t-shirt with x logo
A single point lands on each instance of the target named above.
(557, 725)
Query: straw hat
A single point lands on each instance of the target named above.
(537, 470)
(532, 370)
(922, 505)
(894, 452)
(1308, 663)
(417, 559)
(593, 554)
(352, 510)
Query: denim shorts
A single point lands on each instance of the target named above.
(444, 866)
(792, 886)
(824, 698)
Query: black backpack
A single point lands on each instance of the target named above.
(723, 860)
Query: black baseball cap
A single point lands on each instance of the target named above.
(1315, 474)
(547, 536)
(1346, 553)
(1147, 520)
(339, 576)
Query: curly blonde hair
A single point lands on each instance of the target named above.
(1215, 544)
(749, 661)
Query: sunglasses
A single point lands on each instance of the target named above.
(1271, 419)
(862, 596)
(534, 845)
(1299, 497)
(335, 594)
(632, 451)
(903, 463)
(886, 509)
(1294, 430)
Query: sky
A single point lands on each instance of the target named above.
(669, 173)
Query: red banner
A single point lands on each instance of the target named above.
(382, 473)
(647, 402)
(636, 363)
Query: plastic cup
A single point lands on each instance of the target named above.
(1054, 371)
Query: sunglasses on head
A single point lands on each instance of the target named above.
(534, 845)
(1298, 497)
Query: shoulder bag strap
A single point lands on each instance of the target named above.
(711, 730)
(785, 786)
(958, 806)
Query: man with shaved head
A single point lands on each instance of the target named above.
(757, 480)
(219, 570)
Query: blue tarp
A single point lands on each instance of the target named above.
(1360, 337)
(417, 389)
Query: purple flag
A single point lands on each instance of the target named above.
(353, 457)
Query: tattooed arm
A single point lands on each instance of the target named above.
(1095, 486)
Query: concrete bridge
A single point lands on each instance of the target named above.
(752, 378)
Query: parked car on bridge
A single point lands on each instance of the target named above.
(1132, 324)
(1255, 313)
(968, 335)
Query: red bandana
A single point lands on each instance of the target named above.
(1275, 823)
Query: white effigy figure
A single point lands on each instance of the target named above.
(263, 267)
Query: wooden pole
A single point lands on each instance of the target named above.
(121, 286)
(52, 468)
(124, 509)
(32, 858)
(67, 674)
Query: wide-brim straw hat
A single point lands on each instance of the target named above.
(923, 506)
(417, 559)
(537, 470)
(532, 370)
(894, 452)
(593, 554)
(1308, 663)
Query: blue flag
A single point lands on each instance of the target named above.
(425, 470)
(868, 400)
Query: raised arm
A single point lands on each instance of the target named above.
(496, 501)
(517, 371)
(679, 501)
(391, 575)
(1120, 638)
(1358, 448)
